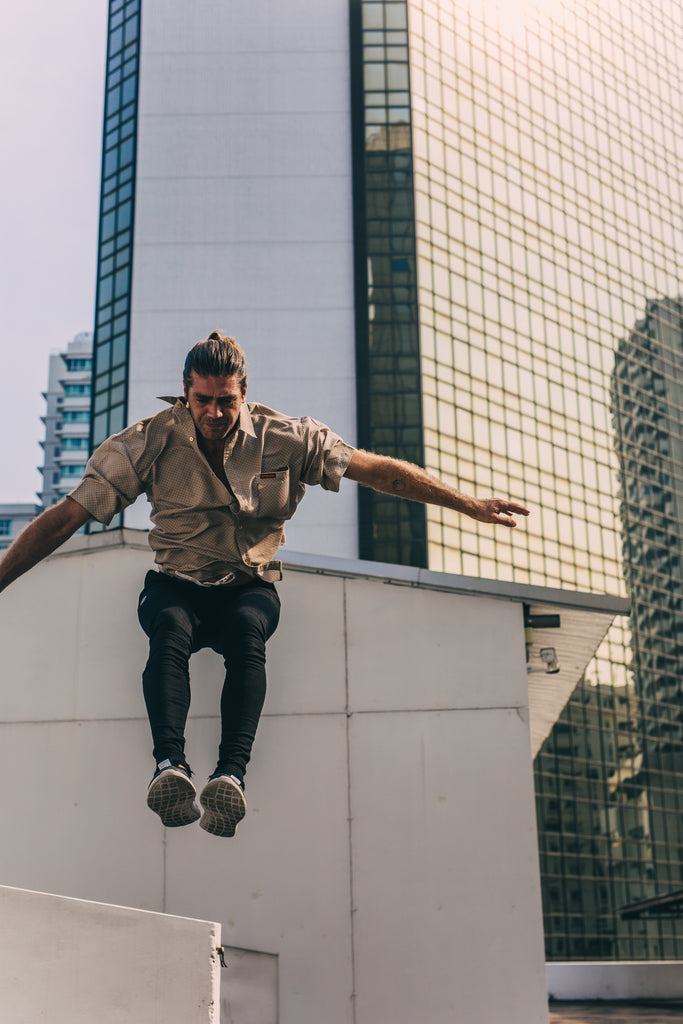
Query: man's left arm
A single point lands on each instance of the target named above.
(405, 480)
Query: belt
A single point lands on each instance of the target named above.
(200, 583)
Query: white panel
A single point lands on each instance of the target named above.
(239, 210)
(304, 144)
(109, 667)
(250, 987)
(78, 664)
(445, 870)
(244, 212)
(339, 539)
(282, 885)
(208, 26)
(284, 275)
(306, 669)
(420, 649)
(71, 962)
(627, 980)
(435, 795)
(279, 344)
(276, 82)
(83, 828)
(43, 611)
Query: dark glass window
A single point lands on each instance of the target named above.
(387, 339)
(116, 221)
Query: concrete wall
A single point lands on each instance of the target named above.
(387, 869)
(243, 214)
(69, 961)
(627, 980)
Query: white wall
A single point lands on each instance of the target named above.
(68, 961)
(243, 214)
(388, 859)
(628, 980)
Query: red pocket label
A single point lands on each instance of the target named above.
(268, 476)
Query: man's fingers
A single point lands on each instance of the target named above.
(506, 509)
(510, 507)
(503, 521)
(496, 510)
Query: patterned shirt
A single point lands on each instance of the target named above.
(202, 529)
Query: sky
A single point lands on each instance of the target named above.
(52, 58)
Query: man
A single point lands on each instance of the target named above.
(222, 477)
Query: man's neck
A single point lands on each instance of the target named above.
(214, 450)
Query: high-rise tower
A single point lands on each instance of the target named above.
(66, 419)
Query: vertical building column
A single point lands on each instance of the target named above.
(117, 209)
(387, 336)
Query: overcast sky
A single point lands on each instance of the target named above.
(52, 59)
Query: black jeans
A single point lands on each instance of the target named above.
(179, 618)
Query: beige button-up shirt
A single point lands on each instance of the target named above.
(201, 528)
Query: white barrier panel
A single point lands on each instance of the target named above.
(387, 869)
(70, 961)
(627, 980)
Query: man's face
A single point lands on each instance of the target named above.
(215, 404)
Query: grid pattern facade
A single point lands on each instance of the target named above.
(549, 216)
(387, 332)
(13, 519)
(117, 208)
(66, 419)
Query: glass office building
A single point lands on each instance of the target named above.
(548, 227)
(517, 211)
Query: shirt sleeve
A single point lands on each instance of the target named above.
(111, 480)
(327, 455)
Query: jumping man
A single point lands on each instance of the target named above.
(222, 477)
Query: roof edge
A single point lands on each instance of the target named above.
(396, 575)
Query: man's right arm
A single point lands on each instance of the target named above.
(40, 538)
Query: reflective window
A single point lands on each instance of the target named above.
(549, 226)
(116, 220)
(388, 363)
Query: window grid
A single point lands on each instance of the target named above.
(388, 359)
(549, 222)
(115, 253)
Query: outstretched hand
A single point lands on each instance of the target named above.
(495, 510)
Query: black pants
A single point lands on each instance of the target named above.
(179, 618)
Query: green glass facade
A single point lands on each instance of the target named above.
(387, 330)
(117, 211)
(548, 228)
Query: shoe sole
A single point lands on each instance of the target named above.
(172, 796)
(224, 807)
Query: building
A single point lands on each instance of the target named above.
(66, 419)
(366, 882)
(431, 223)
(13, 518)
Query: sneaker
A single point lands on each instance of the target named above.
(224, 805)
(172, 795)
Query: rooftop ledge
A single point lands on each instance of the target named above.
(396, 575)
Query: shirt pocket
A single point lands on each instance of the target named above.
(273, 494)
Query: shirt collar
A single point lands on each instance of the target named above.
(245, 423)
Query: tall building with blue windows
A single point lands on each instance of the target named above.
(13, 519)
(451, 229)
(66, 419)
